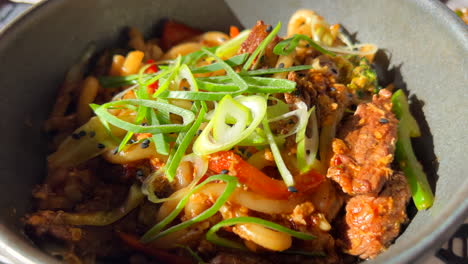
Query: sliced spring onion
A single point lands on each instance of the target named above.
(232, 46)
(261, 47)
(307, 147)
(174, 69)
(283, 170)
(234, 61)
(134, 199)
(160, 142)
(255, 84)
(229, 71)
(117, 81)
(193, 57)
(278, 70)
(288, 45)
(182, 143)
(73, 151)
(187, 116)
(206, 144)
(155, 231)
(212, 237)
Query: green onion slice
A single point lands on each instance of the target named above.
(232, 46)
(285, 47)
(212, 237)
(187, 116)
(206, 143)
(307, 147)
(283, 170)
(261, 47)
(155, 231)
(232, 62)
(182, 143)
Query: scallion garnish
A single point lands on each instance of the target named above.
(187, 116)
(307, 147)
(212, 237)
(232, 62)
(232, 46)
(288, 45)
(261, 47)
(253, 108)
(283, 170)
(155, 231)
(182, 143)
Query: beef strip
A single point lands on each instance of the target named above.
(259, 32)
(365, 146)
(372, 222)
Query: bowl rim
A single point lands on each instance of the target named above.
(16, 250)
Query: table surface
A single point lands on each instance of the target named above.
(455, 251)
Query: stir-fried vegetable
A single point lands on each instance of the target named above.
(214, 238)
(408, 127)
(248, 112)
(155, 232)
(287, 46)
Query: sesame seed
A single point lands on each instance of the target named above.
(144, 124)
(82, 133)
(281, 65)
(269, 29)
(131, 141)
(100, 146)
(307, 45)
(290, 121)
(225, 171)
(91, 133)
(185, 88)
(249, 154)
(75, 136)
(383, 120)
(145, 143)
(213, 61)
(199, 132)
(292, 189)
(308, 152)
(116, 150)
(140, 173)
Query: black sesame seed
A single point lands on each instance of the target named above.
(140, 173)
(307, 45)
(290, 121)
(199, 132)
(100, 146)
(185, 88)
(300, 74)
(116, 150)
(383, 120)
(249, 154)
(82, 133)
(281, 65)
(224, 171)
(144, 124)
(269, 29)
(145, 143)
(292, 189)
(75, 136)
(91, 133)
(213, 61)
(131, 141)
(296, 92)
(308, 152)
(334, 71)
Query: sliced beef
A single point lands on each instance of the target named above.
(365, 146)
(259, 32)
(372, 222)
